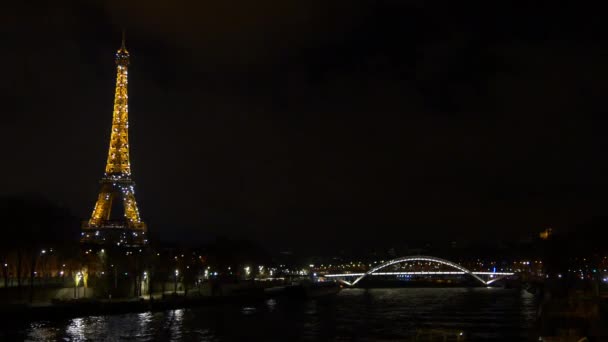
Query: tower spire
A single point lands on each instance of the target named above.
(123, 45)
(122, 55)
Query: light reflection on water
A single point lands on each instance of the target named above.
(271, 304)
(248, 310)
(367, 315)
(76, 329)
(175, 324)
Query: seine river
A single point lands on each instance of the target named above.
(398, 314)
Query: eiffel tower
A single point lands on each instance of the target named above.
(115, 219)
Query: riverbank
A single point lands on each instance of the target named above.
(92, 307)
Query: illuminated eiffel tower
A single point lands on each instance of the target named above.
(115, 219)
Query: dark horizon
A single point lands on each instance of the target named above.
(379, 121)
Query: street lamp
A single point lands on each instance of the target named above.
(175, 281)
(77, 278)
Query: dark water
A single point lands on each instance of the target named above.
(482, 314)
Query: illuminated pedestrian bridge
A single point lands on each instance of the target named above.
(457, 270)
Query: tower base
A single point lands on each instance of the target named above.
(113, 233)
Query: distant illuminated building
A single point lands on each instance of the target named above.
(115, 219)
(546, 233)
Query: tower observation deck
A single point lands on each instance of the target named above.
(115, 218)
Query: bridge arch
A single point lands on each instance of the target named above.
(418, 258)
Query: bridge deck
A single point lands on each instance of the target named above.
(417, 273)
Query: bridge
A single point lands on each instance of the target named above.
(460, 270)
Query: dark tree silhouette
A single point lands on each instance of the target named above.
(29, 225)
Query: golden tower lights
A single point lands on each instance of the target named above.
(115, 218)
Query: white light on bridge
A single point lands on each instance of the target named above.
(428, 259)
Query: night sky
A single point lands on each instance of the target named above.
(315, 122)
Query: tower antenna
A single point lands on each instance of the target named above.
(123, 45)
